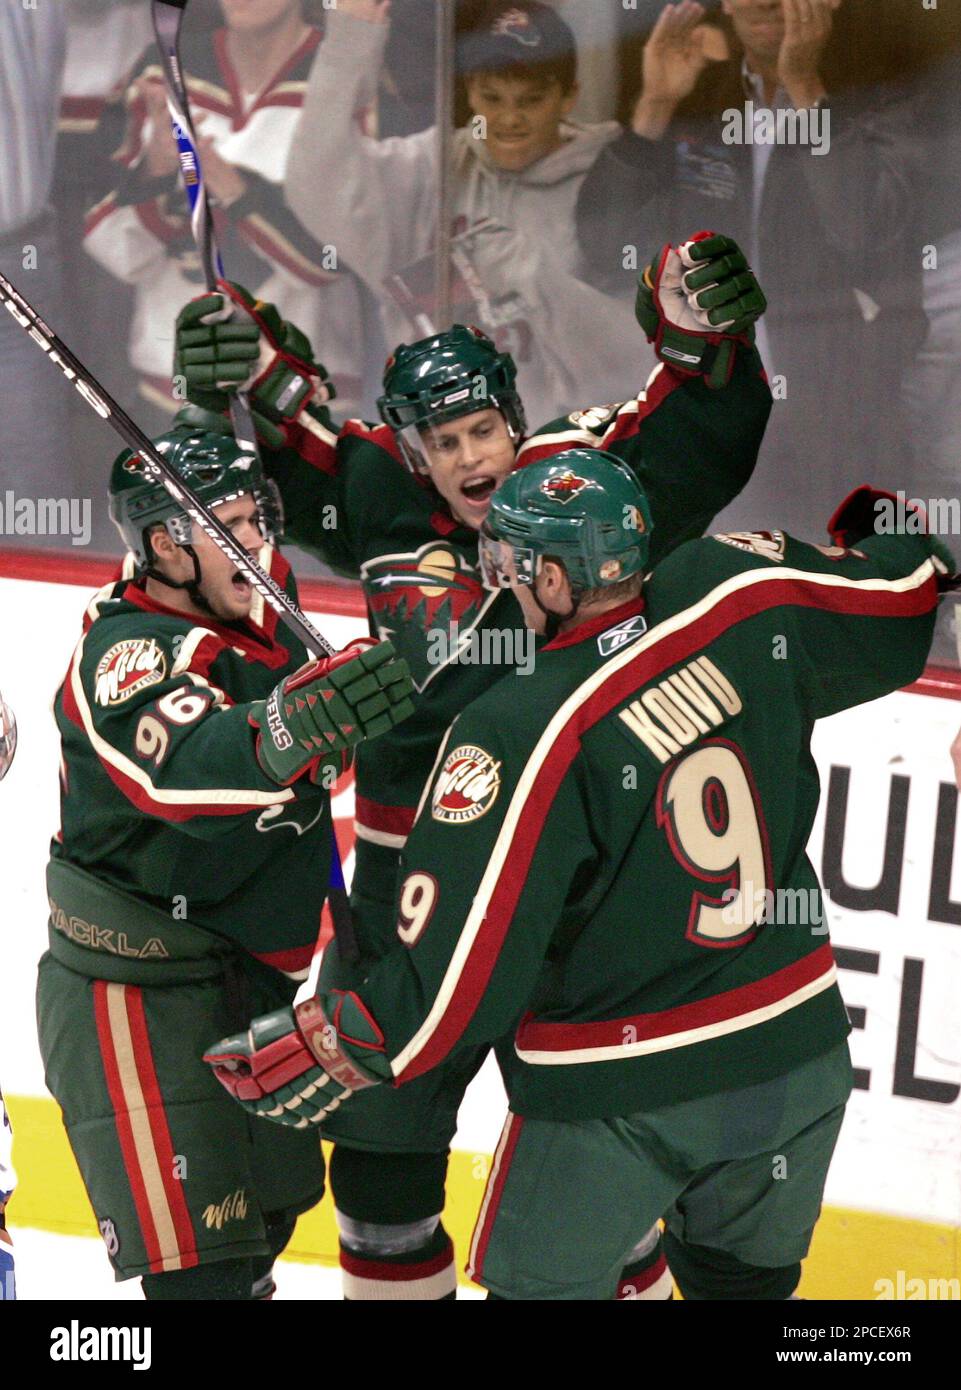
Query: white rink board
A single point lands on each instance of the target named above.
(900, 1152)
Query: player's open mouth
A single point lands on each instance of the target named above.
(242, 587)
(478, 490)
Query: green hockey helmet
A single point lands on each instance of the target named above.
(583, 507)
(212, 464)
(441, 378)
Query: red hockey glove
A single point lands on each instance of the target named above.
(297, 1065)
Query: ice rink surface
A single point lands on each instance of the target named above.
(53, 1267)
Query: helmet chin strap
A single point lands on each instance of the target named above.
(189, 586)
(552, 620)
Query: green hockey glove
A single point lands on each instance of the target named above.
(299, 1064)
(226, 341)
(327, 707)
(695, 302)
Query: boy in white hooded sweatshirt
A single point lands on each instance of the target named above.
(517, 167)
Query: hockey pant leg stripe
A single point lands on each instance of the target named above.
(497, 1178)
(142, 1127)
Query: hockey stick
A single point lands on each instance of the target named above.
(132, 435)
(168, 17)
(444, 123)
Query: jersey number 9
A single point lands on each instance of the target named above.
(708, 807)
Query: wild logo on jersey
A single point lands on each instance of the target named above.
(127, 667)
(412, 596)
(466, 787)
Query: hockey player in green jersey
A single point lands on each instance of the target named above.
(609, 848)
(188, 877)
(408, 497)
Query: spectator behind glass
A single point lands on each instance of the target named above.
(517, 170)
(104, 40)
(840, 344)
(596, 29)
(34, 443)
(246, 83)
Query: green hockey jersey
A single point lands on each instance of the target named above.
(162, 797)
(617, 842)
(350, 500)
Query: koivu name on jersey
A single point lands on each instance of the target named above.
(679, 709)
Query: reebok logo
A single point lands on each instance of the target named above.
(615, 638)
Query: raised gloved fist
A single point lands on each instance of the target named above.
(228, 341)
(322, 711)
(299, 1064)
(695, 301)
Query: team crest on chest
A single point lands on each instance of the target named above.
(127, 668)
(466, 787)
(414, 597)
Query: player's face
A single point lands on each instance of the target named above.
(522, 116)
(252, 15)
(225, 589)
(469, 459)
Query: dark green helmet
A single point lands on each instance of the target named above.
(441, 378)
(583, 507)
(213, 465)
